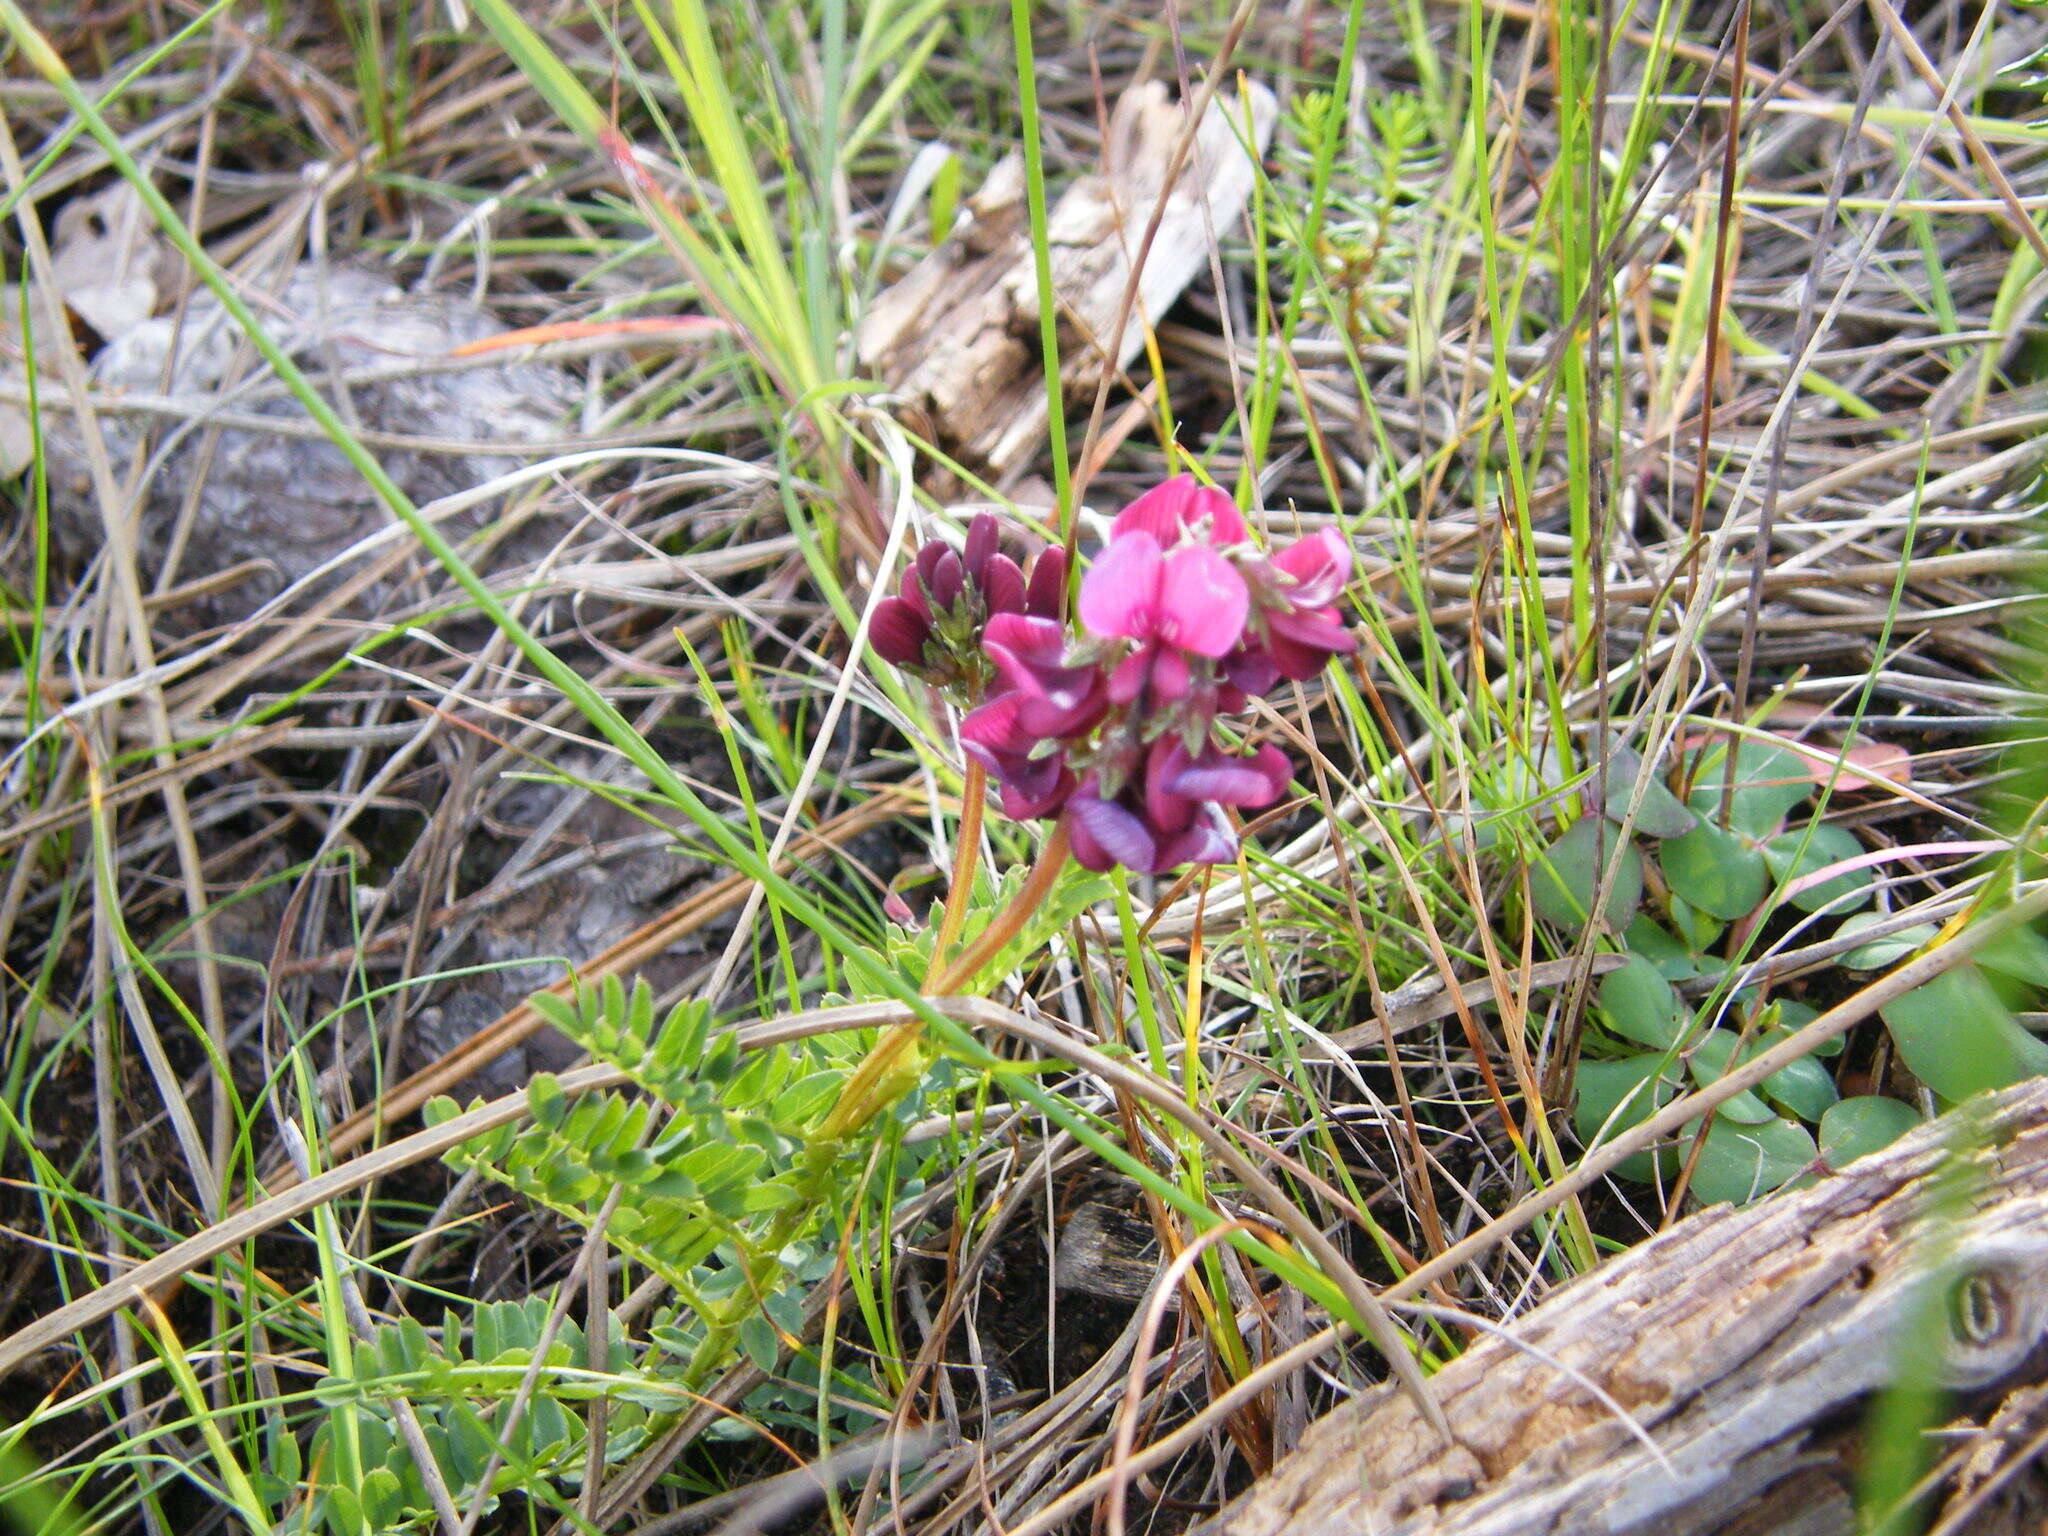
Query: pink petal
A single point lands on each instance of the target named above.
(1320, 565)
(1120, 594)
(1202, 602)
(1250, 782)
(1169, 811)
(1106, 835)
(1171, 679)
(1252, 670)
(1128, 681)
(1209, 841)
(1179, 506)
(991, 731)
(1301, 644)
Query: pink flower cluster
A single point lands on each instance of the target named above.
(1113, 732)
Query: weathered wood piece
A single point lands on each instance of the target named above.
(1743, 1344)
(957, 336)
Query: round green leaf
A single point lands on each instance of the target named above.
(1562, 879)
(1828, 844)
(1709, 1061)
(2021, 953)
(1804, 1089)
(1769, 781)
(1658, 945)
(1957, 1037)
(1695, 928)
(1662, 814)
(1639, 1004)
(1739, 1163)
(1860, 1126)
(1617, 1095)
(1881, 952)
(1718, 872)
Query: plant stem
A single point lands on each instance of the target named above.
(966, 849)
(1052, 858)
(893, 1066)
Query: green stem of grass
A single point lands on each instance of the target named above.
(1041, 265)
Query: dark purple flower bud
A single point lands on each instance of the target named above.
(1002, 585)
(946, 583)
(1046, 595)
(984, 537)
(899, 632)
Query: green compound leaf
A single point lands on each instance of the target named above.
(1957, 1036)
(1640, 1005)
(1828, 844)
(1562, 879)
(1721, 873)
(1739, 1163)
(1860, 1126)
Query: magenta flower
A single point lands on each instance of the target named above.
(1295, 627)
(1112, 730)
(1175, 815)
(1174, 603)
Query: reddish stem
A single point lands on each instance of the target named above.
(966, 849)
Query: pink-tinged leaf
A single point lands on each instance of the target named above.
(1120, 593)
(593, 330)
(1179, 506)
(1867, 765)
(1202, 602)
(898, 632)
(1320, 565)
